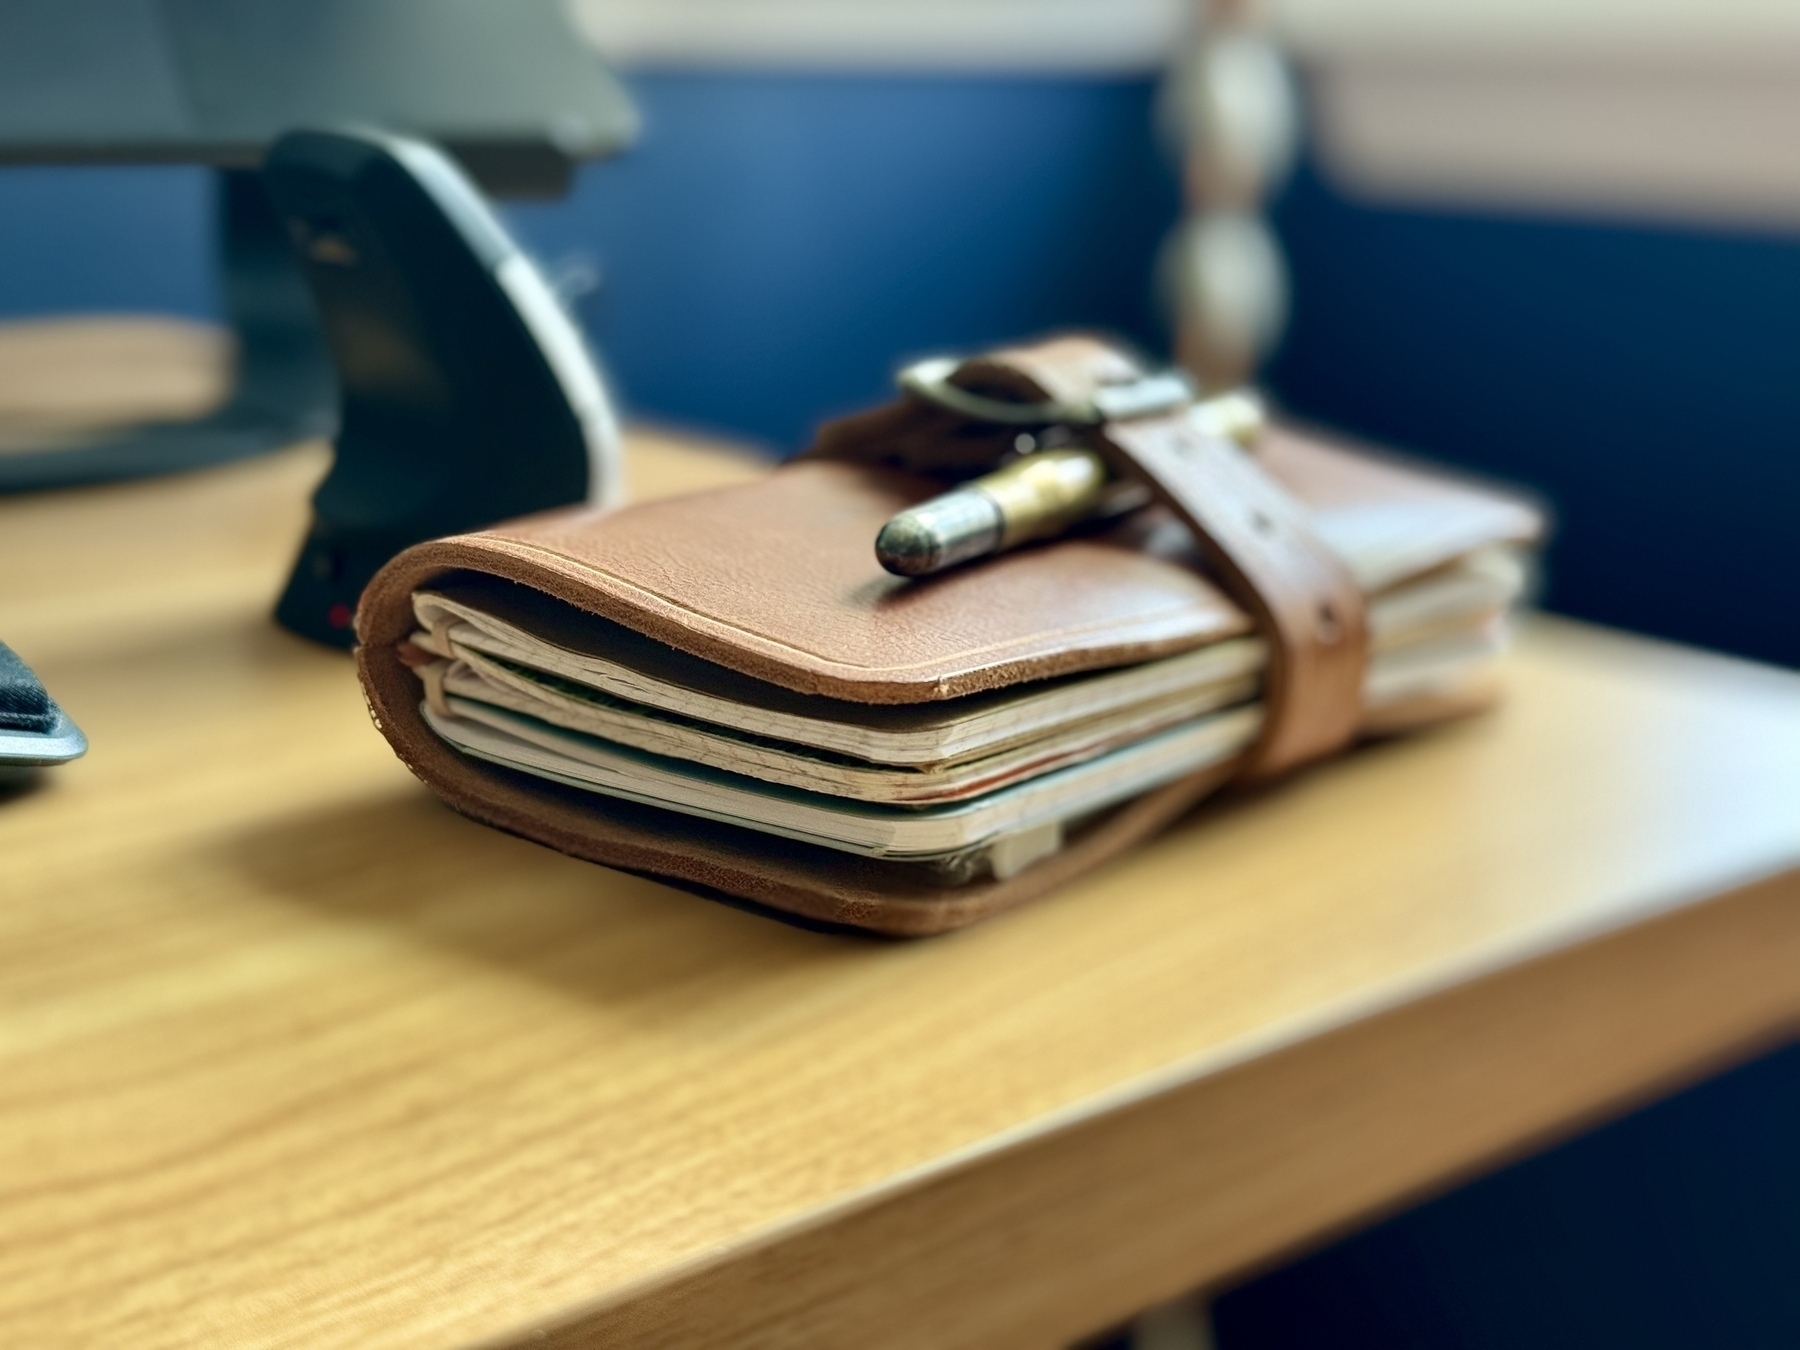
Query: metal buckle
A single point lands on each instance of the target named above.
(1162, 392)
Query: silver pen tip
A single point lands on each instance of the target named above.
(908, 547)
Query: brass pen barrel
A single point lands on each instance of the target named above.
(1036, 496)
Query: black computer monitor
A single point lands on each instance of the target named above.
(506, 86)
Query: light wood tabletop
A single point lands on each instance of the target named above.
(290, 1055)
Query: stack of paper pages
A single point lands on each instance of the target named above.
(982, 784)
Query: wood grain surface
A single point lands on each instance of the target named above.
(63, 379)
(292, 1056)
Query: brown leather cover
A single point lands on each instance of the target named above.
(777, 579)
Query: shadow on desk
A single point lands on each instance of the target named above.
(408, 864)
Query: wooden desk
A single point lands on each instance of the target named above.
(290, 1055)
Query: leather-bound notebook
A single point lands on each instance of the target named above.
(727, 690)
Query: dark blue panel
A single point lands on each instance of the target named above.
(771, 249)
(776, 243)
(1648, 380)
(107, 239)
(1677, 1227)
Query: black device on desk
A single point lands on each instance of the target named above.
(509, 89)
(468, 393)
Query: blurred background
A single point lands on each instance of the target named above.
(1553, 241)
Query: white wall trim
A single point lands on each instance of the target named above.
(1605, 32)
(1689, 146)
(1000, 36)
(1680, 110)
(1683, 109)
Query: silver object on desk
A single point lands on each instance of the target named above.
(1044, 491)
(33, 730)
(34, 749)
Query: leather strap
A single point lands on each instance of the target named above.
(1257, 538)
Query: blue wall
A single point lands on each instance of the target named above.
(1647, 379)
(770, 250)
(104, 239)
(776, 244)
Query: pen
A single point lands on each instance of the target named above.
(1040, 494)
